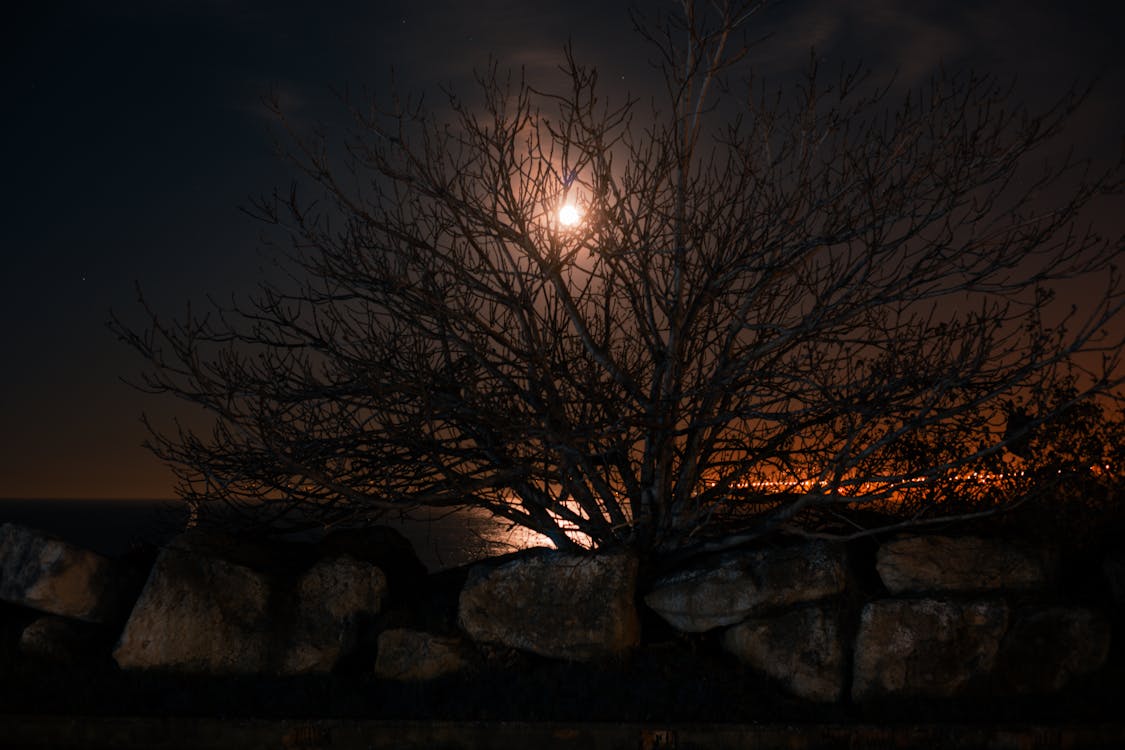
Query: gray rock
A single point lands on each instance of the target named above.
(925, 647)
(52, 576)
(1046, 649)
(199, 614)
(940, 563)
(802, 649)
(331, 601)
(565, 606)
(735, 586)
(412, 655)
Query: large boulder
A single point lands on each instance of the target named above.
(943, 563)
(199, 614)
(565, 606)
(1046, 649)
(413, 655)
(926, 647)
(331, 601)
(735, 586)
(52, 576)
(802, 649)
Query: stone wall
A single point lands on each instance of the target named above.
(922, 616)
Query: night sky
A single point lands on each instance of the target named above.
(133, 131)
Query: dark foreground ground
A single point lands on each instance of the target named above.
(176, 733)
(679, 693)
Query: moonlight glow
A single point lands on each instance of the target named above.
(569, 215)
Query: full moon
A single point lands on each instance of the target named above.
(569, 215)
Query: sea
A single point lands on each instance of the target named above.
(113, 527)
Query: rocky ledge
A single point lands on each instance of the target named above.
(943, 618)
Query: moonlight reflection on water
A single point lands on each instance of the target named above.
(448, 539)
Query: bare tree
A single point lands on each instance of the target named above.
(753, 310)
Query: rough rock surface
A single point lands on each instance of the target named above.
(52, 576)
(925, 647)
(565, 606)
(738, 585)
(332, 600)
(802, 649)
(941, 563)
(57, 639)
(198, 614)
(1046, 649)
(413, 655)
